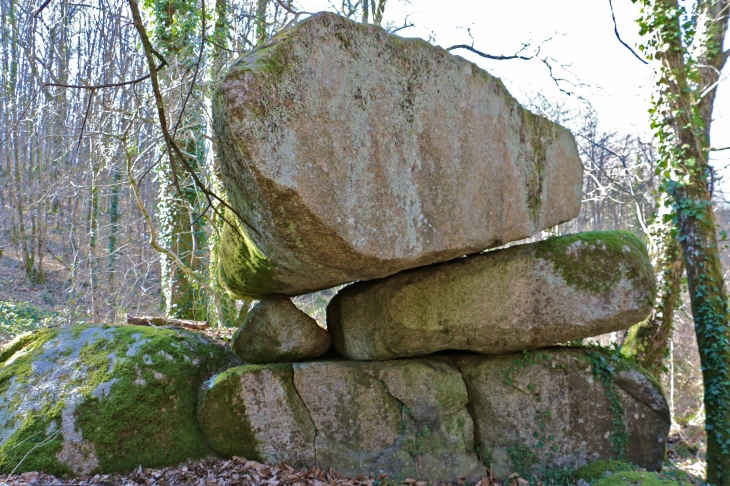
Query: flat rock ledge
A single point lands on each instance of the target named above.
(351, 154)
(275, 331)
(437, 418)
(523, 297)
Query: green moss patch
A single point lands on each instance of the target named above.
(244, 269)
(596, 261)
(85, 399)
(598, 469)
(637, 478)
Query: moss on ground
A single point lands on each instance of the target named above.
(86, 399)
(596, 261)
(636, 478)
(596, 470)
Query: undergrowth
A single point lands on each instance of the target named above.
(19, 317)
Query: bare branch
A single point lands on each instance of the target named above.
(405, 25)
(615, 30)
(173, 149)
(86, 117)
(489, 56)
(713, 149)
(41, 8)
(295, 13)
(167, 321)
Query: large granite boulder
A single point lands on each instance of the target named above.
(85, 399)
(523, 297)
(352, 154)
(563, 408)
(276, 331)
(403, 418)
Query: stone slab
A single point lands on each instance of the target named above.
(351, 154)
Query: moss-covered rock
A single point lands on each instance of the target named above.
(84, 399)
(405, 418)
(523, 297)
(552, 409)
(338, 152)
(275, 331)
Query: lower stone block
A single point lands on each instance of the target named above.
(551, 409)
(440, 418)
(404, 418)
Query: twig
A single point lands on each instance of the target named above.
(41, 8)
(516, 55)
(405, 25)
(295, 13)
(615, 29)
(83, 125)
(489, 56)
(163, 63)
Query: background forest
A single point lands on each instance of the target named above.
(106, 212)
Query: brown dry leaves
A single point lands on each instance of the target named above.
(218, 472)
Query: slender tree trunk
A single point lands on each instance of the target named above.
(648, 341)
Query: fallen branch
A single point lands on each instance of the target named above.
(167, 321)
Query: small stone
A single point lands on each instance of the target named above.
(523, 297)
(275, 331)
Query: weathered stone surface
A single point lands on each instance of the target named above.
(352, 154)
(253, 411)
(523, 297)
(403, 418)
(103, 398)
(276, 331)
(549, 410)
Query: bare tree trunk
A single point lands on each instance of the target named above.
(648, 341)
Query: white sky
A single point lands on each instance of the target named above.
(617, 85)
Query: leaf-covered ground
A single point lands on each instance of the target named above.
(239, 471)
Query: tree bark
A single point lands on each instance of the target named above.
(648, 341)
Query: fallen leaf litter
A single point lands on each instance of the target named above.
(220, 472)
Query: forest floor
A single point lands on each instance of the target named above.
(685, 464)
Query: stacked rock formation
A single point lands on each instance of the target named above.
(349, 154)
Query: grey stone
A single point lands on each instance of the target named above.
(351, 154)
(548, 410)
(276, 331)
(253, 411)
(523, 297)
(403, 418)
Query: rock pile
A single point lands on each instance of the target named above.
(349, 154)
